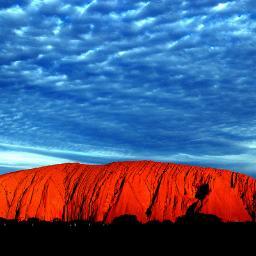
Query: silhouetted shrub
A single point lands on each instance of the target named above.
(153, 222)
(198, 218)
(126, 220)
(167, 222)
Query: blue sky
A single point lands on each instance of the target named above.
(108, 80)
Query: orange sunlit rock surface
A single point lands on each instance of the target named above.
(149, 190)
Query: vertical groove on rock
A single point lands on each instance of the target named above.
(155, 194)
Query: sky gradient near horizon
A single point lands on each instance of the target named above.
(109, 80)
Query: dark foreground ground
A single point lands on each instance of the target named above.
(198, 235)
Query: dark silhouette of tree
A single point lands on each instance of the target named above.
(126, 220)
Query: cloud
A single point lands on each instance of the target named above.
(23, 160)
(143, 79)
(14, 157)
(221, 7)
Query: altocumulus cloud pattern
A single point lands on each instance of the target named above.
(105, 80)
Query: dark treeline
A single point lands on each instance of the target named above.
(126, 231)
(125, 222)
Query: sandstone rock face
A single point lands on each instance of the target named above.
(149, 190)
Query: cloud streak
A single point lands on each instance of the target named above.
(23, 160)
(114, 80)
